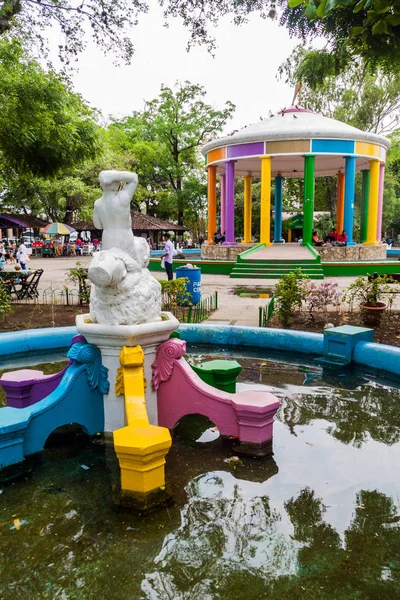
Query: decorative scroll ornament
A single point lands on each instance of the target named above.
(90, 356)
(166, 355)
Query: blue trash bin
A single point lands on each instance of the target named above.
(193, 286)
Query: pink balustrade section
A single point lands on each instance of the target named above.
(247, 415)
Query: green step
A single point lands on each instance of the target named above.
(292, 265)
(303, 261)
(275, 268)
(256, 275)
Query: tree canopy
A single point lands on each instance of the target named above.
(353, 28)
(369, 101)
(108, 22)
(44, 126)
(165, 139)
(369, 29)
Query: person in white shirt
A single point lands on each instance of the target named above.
(168, 255)
(22, 255)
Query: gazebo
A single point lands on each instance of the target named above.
(295, 143)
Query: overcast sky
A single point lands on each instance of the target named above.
(243, 70)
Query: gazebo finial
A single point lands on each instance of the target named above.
(297, 92)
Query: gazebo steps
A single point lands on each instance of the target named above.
(275, 270)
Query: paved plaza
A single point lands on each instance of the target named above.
(233, 309)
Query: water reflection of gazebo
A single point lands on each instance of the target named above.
(296, 143)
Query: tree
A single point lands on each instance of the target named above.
(44, 126)
(108, 20)
(368, 101)
(178, 122)
(367, 29)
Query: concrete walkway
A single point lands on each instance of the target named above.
(232, 309)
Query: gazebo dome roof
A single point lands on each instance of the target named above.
(296, 123)
(289, 136)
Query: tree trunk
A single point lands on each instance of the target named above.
(180, 200)
(69, 214)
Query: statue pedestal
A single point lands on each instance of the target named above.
(110, 339)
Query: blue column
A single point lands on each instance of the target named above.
(349, 183)
(278, 210)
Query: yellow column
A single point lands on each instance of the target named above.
(373, 200)
(212, 203)
(340, 203)
(140, 447)
(247, 210)
(289, 235)
(265, 203)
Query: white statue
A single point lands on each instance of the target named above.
(112, 212)
(123, 291)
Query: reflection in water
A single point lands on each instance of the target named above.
(227, 526)
(231, 545)
(358, 404)
(369, 411)
(319, 522)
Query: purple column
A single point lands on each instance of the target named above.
(380, 202)
(230, 203)
(223, 204)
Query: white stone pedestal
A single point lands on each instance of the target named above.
(110, 339)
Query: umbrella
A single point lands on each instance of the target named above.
(58, 229)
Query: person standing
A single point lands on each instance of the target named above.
(167, 257)
(22, 255)
(78, 246)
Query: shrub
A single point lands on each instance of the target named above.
(174, 292)
(5, 300)
(79, 276)
(320, 296)
(368, 292)
(289, 295)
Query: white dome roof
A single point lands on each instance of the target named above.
(296, 123)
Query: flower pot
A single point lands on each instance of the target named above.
(372, 315)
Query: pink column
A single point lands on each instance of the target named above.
(380, 202)
(230, 204)
(223, 204)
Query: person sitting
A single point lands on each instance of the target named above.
(316, 241)
(342, 239)
(332, 236)
(218, 237)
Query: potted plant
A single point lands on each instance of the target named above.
(369, 293)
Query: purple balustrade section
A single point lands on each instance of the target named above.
(239, 150)
(28, 386)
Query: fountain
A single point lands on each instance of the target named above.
(127, 379)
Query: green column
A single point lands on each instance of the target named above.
(364, 205)
(308, 204)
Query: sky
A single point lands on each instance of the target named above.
(243, 70)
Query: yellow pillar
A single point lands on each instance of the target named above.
(373, 201)
(289, 235)
(212, 203)
(247, 210)
(265, 204)
(340, 203)
(140, 447)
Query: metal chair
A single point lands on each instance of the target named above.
(29, 286)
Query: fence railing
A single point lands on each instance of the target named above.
(190, 313)
(265, 312)
(52, 296)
